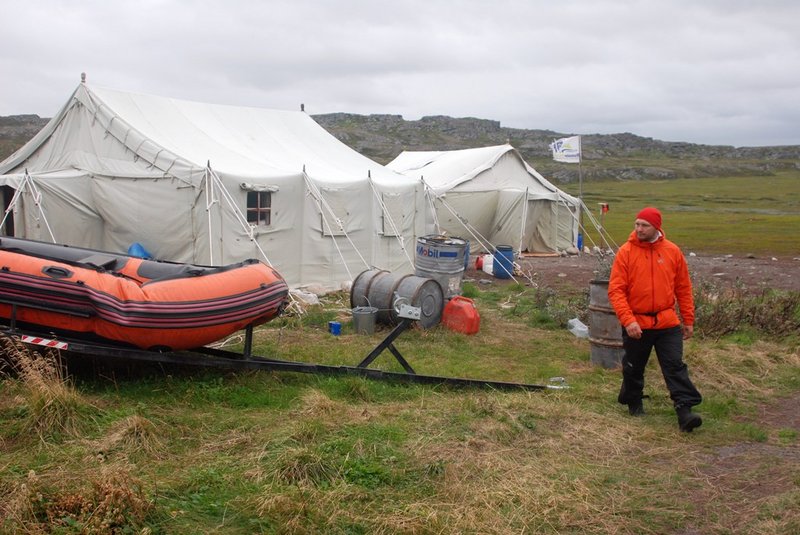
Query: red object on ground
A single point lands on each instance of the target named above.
(479, 262)
(460, 315)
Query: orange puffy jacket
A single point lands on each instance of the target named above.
(647, 280)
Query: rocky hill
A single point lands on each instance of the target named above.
(623, 156)
(16, 130)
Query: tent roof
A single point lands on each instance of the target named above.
(241, 141)
(448, 168)
(445, 170)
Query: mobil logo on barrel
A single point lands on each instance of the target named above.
(435, 252)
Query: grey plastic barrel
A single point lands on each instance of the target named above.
(443, 259)
(605, 331)
(379, 289)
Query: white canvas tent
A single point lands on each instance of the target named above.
(211, 184)
(494, 193)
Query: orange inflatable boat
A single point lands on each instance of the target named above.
(144, 303)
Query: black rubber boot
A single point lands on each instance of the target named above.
(635, 408)
(687, 420)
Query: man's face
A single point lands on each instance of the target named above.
(644, 230)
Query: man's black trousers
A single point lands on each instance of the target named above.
(669, 350)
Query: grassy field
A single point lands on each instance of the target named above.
(737, 215)
(138, 448)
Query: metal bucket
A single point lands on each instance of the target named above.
(443, 259)
(605, 332)
(379, 289)
(364, 320)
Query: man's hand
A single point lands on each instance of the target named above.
(688, 331)
(634, 331)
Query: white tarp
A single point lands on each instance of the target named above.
(113, 168)
(495, 192)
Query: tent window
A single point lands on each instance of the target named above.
(335, 216)
(259, 207)
(397, 214)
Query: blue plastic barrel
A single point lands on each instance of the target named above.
(503, 266)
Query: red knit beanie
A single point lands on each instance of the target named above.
(651, 215)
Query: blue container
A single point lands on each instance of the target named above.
(503, 266)
(580, 242)
(335, 328)
(137, 249)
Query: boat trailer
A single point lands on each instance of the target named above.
(218, 358)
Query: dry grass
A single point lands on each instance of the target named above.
(728, 367)
(527, 463)
(276, 453)
(53, 407)
(316, 404)
(110, 502)
(506, 476)
(133, 434)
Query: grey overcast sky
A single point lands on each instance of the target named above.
(704, 71)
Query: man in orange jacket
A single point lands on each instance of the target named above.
(648, 278)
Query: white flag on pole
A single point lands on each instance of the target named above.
(567, 149)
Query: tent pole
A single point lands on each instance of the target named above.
(209, 204)
(37, 201)
(524, 220)
(580, 193)
(12, 204)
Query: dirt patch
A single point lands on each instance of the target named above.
(575, 272)
(748, 476)
(783, 414)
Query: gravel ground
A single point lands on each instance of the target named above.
(576, 271)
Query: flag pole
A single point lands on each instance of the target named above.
(580, 170)
(564, 150)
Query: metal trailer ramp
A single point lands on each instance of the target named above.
(217, 358)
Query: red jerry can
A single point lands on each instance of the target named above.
(460, 315)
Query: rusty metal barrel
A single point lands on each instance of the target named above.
(605, 332)
(379, 288)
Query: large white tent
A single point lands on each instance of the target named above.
(493, 195)
(211, 184)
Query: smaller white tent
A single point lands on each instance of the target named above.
(493, 195)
